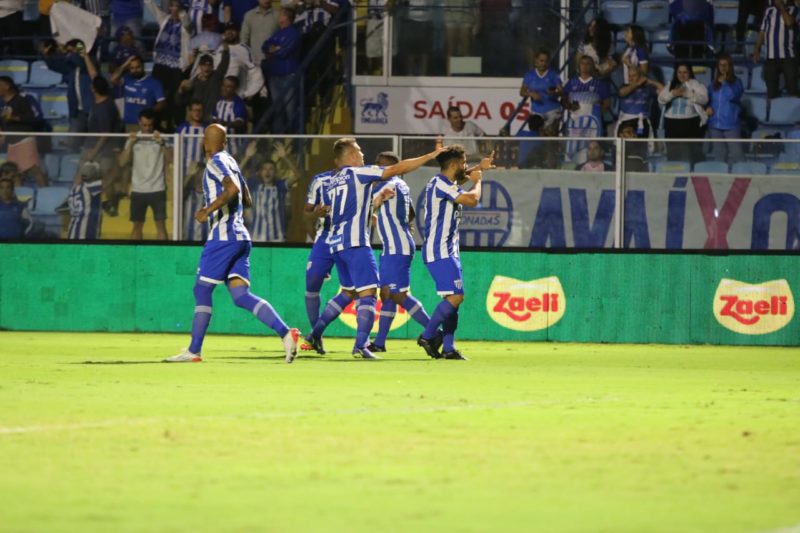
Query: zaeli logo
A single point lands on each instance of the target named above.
(349, 314)
(753, 309)
(526, 305)
(375, 110)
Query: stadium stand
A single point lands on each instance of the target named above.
(16, 69)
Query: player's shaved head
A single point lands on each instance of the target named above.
(214, 139)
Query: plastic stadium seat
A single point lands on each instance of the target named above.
(785, 167)
(68, 168)
(41, 76)
(757, 83)
(712, 167)
(784, 111)
(726, 12)
(749, 168)
(26, 194)
(148, 66)
(16, 69)
(48, 198)
(702, 74)
(652, 14)
(791, 150)
(672, 166)
(54, 104)
(667, 73)
(52, 164)
(618, 12)
(755, 106)
(30, 10)
(743, 73)
(659, 41)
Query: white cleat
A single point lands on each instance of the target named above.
(290, 344)
(185, 357)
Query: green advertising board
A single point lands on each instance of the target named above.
(569, 297)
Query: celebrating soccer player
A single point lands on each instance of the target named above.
(444, 199)
(348, 193)
(226, 254)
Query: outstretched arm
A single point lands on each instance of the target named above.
(409, 165)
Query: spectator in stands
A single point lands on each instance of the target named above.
(635, 152)
(725, 95)
(10, 170)
(684, 99)
(139, 91)
(170, 56)
(78, 69)
(103, 119)
(636, 99)
(597, 45)
(206, 84)
(126, 47)
(746, 8)
(127, 13)
(692, 32)
(11, 27)
(282, 60)
(198, 9)
(15, 219)
(148, 156)
(460, 21)
(415, 26)
(192, 201)
(373, 45)
(231, 112)
(17, 115)
(595, 161)
(241, 64)
(236, 10)
(532, 129)
(635, 55)
(86, 213)
(542, 85)
(208, 39)
(586, 95)
(778, 32)
(457, 127)
(258, 26)
(194, 128)
(497, 44)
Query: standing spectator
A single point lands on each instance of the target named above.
(17, 115)
(85, 211)
(778, 31)
(456, 126)
(684, 114)
(126, 47)
(77, 68)
(542, 85)
(193, 201)
(139, 91)
(258, 26)
(636, 99)
(595, 159)
(208, 39)
(635, 55)
(127, 13)
(11, 27)
(460, 20)
(597, 45)
(192, 130)
(692, 33)
(747, 8)
(148, 156)
(15, 219)
(231, 112)
(373, 45)
(586, 95)
(725, 95)
(282, 59)
(241, 64)
(499, 50)
(205, 86)
(416, 37)
(104, 119)
(236, 10)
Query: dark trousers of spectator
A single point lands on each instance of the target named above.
(170, 79)
(747, 8)
(772, 75)
(684, 128)
(10, 28)
(283, 112)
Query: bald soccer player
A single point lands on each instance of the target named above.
(226, 254)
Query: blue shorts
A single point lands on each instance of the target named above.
(446, 274)
(223, 260)
(356, 268)
(320, 261)
(395, 272)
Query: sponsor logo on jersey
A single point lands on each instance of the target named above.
(753, 309)
(526, 305)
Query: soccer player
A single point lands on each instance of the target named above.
(348, 193)
(226, 255)
(394, 219)
(444, 199)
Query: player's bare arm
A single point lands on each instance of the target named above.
(247, 199)
(313, 212)
(229, 192)
(385, 194)
(409, 165)
(473, 197)
(487, 163)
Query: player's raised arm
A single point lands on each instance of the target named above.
(409, 165)
(472, 197)
(487, 163)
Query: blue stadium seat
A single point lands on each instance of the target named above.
(726, 12)
(48, 198)
(41, 76)
(749, 168)
(26, 194)
(52, 163)
(148, 66)
(757, 83)
(743, 73)
(68, 168)
(652, 14)
(791, 168)
(784, 111)
(618, 12)
(702, 74)
(791, 150)
(755, 106)
(16, 69)
(54, 104)
(30, 10)
(658, 41)
(712, 167)
(667, 73)
(672, 166)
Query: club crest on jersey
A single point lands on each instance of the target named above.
(753, 309)
(526, 305)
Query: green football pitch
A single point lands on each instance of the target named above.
(97, 435)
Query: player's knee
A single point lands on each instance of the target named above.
(385, 293)
(455, 299)
(314, 283)
(399, 297)
(202, 291)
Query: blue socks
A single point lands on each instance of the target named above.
(332, 310)
(449, 329)
(202, 314)
(442, 312)
(387, 314)
(263, 311)
(415, 309)
(365, 318)
(313, 286)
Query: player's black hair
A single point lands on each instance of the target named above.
(147, 113)
(101, 86)
(391, 156)
(448, 155)
(535, 122)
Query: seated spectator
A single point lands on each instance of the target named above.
(724, 109)
(74, 64)
(231, 112)
(586, 95)
(778, 31)
(597, 45)
(206, 83)
(542, 85)
(281, 61)
(208, 39)
(103, 119)
(692, 32)
(636, 99)
(635, 55)
(595, 161)
(15, 219)
(457, 127)
(684, 99)
(260, 23)
(139, 90)
(193, 200)
(85, 211)
(635, 152)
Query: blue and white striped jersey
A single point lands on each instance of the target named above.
(269, 211)
(316, 196)
(192, 229)
(778, 38)
(442, 215)
(226, 223)
(393, 218)
(85, 210)
(231, 111)
(192, 145)
(349, 193)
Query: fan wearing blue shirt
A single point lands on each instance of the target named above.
(542, 85)
(231, 111)
(139, 91)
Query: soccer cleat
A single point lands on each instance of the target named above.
(185, 357)
(428, 346)
(316, 344)
(437, 341)
(455, 354)
(375, 348)
(364, 353)
(290, 344)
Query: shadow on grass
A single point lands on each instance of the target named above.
(118, 363)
